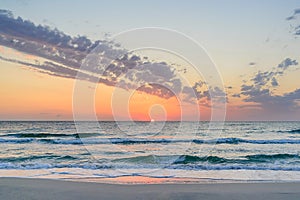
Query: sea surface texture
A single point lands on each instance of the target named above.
(229, 151)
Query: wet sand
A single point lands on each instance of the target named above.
(20, 188)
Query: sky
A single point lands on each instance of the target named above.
(252, 47)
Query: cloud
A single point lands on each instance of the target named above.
(297, 30)
(292, 17)
(255, 94)
(64, 56)
(274, 82)
(273, 103)
(295, 27)
(236, 95)
(268, 78)
(204, 95)
(287, 63)
(262, 78)
(154, 78)
(44, 42)
(252, 63)
(259, 89)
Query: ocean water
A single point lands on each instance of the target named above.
(233, 151)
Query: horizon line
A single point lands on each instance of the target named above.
(22, 120)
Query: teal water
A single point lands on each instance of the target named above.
(233, 150)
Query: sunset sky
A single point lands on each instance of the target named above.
(254, 45)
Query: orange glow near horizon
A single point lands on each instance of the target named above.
(30, 95)
(134, 105)
(27, 94)
(144, 107)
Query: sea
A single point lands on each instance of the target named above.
(151, 152)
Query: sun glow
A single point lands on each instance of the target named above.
(145, 107)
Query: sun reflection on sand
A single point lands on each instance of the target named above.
(142, 180)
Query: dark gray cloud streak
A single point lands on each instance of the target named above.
(66, 53)
(65, 56)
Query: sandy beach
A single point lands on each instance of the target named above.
(19, 188)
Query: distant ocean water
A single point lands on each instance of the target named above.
(251, 151)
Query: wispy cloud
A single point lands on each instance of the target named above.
(65, 55)
(294, 15)
(295, 25)
(252, 63)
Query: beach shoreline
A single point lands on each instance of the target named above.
(29, 188)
